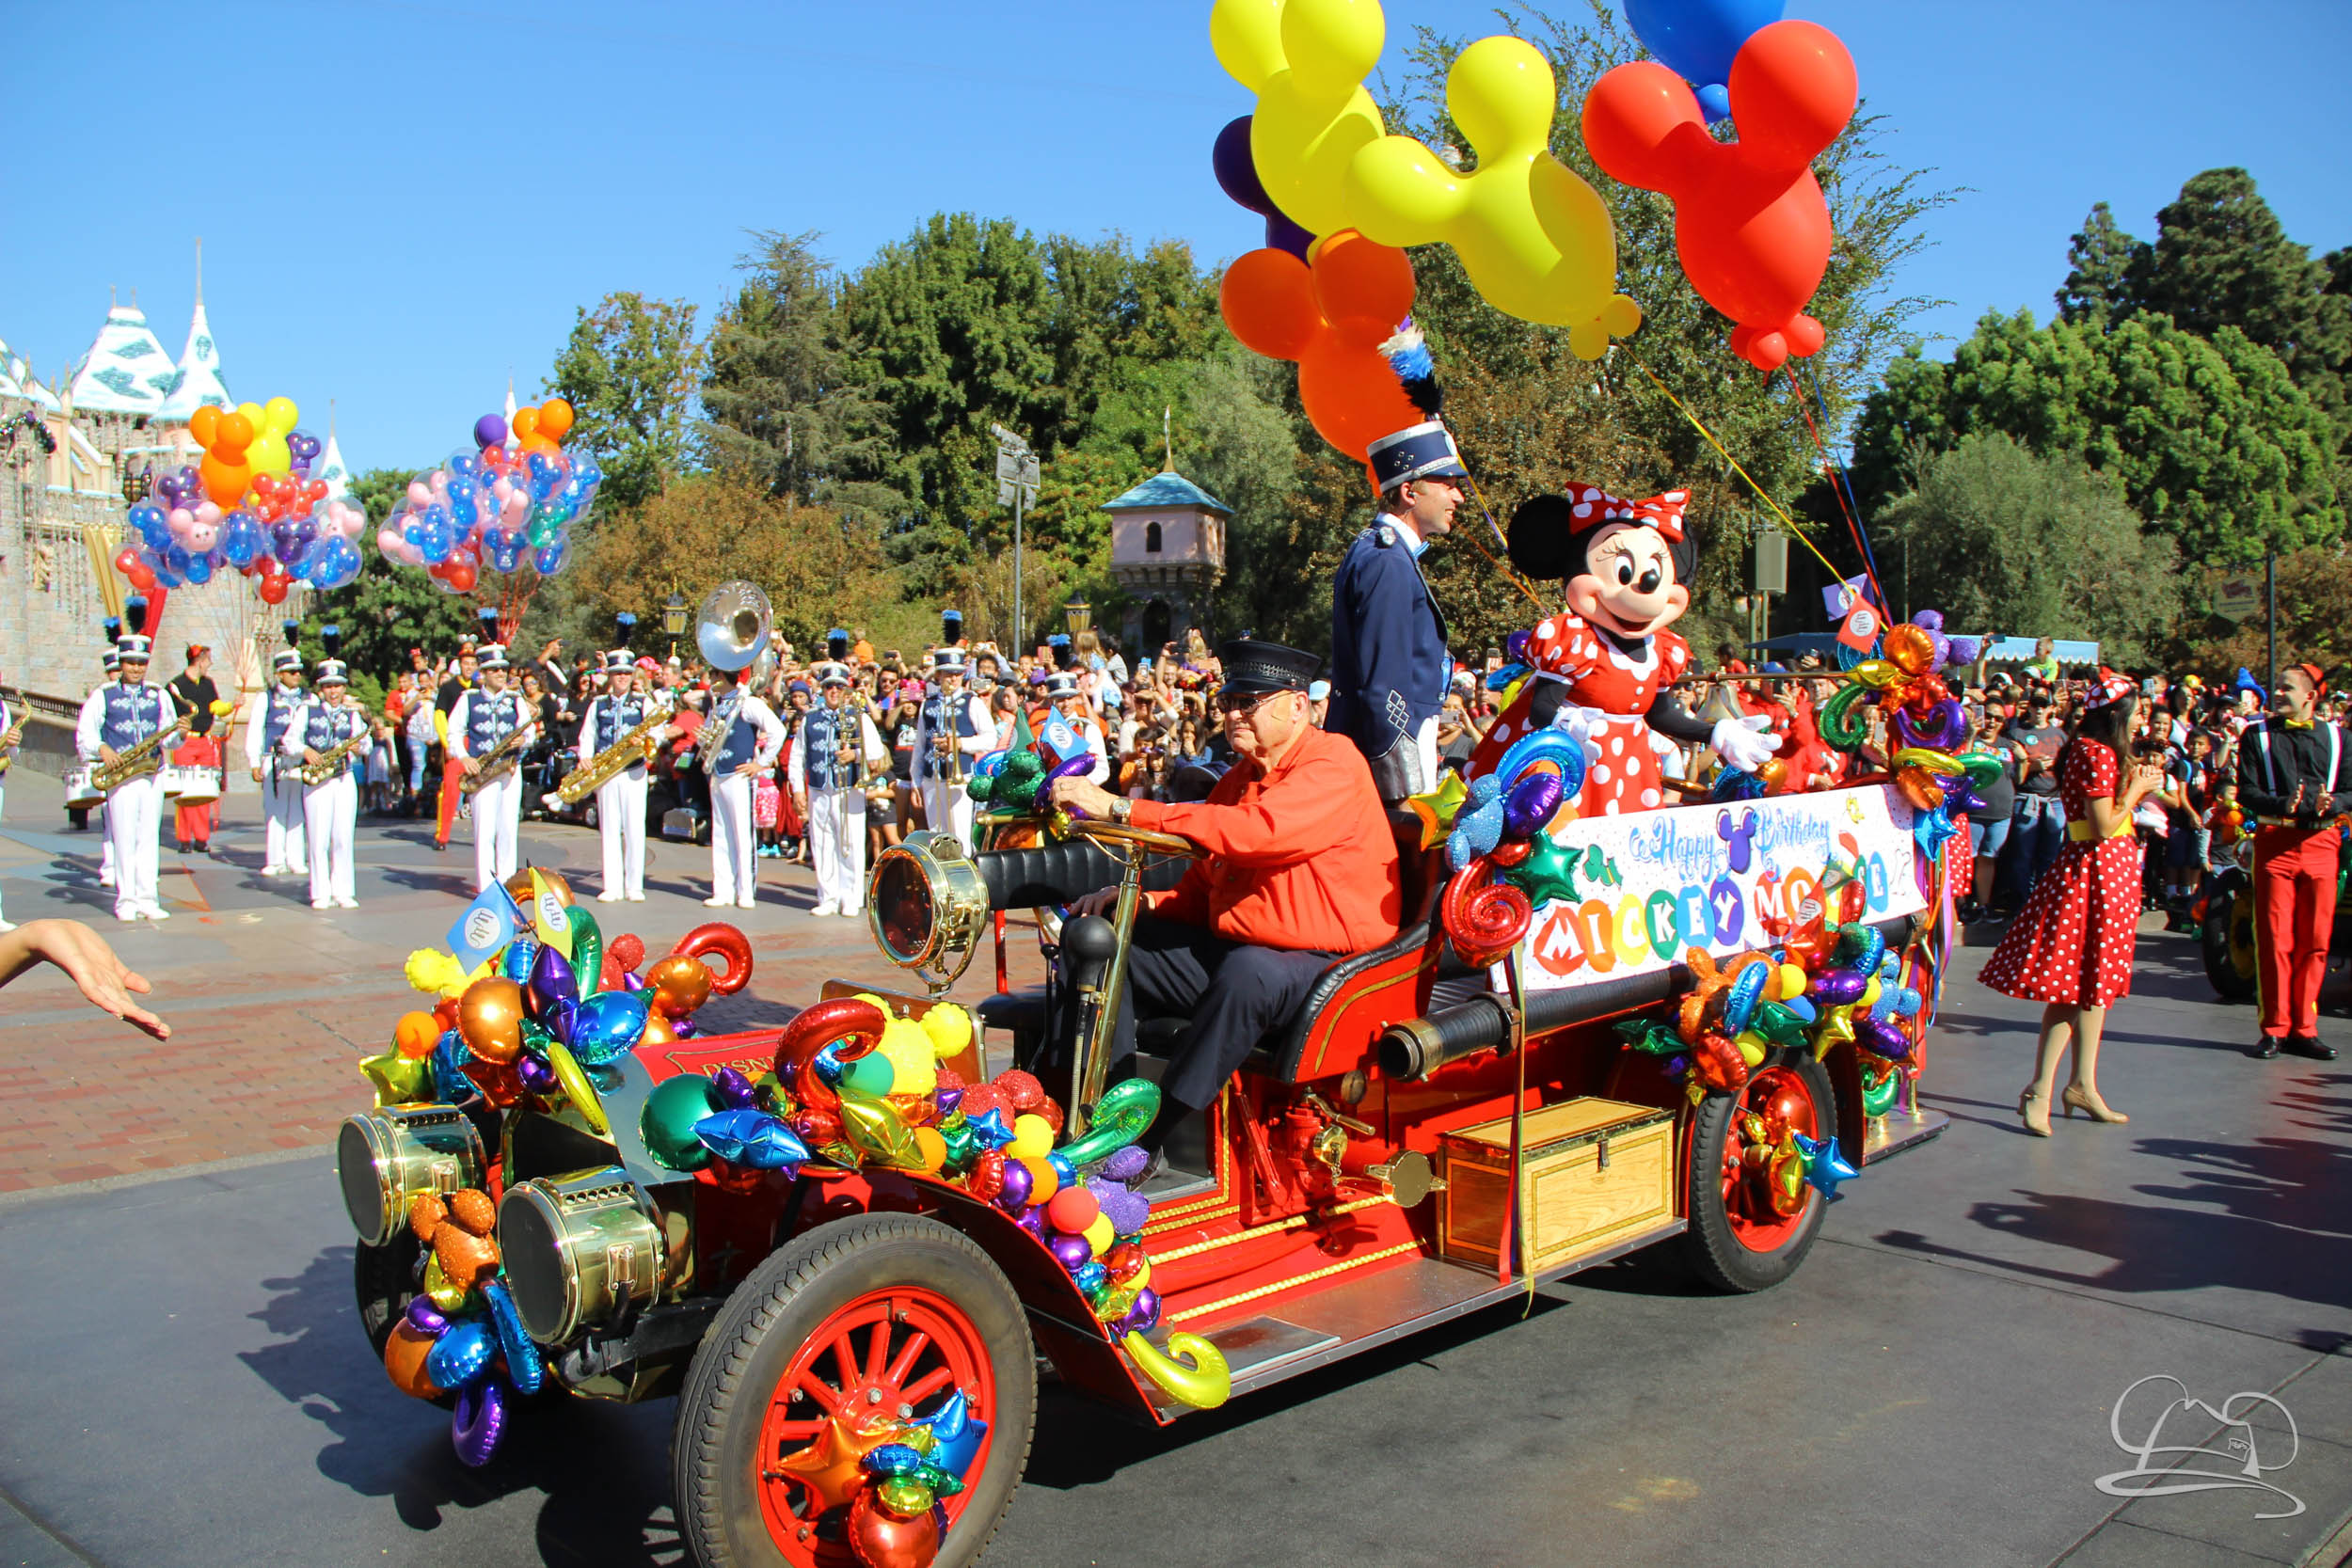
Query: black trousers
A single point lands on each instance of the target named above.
(1233, 993)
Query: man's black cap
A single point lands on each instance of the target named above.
(1253, 668)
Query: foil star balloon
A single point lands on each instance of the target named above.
(1836, 1028)
(1437, 809)
(957, 1434)
(991, 1129)
(831, 1467)
(1548, 874)
(399, 1080)
(1824, 1167)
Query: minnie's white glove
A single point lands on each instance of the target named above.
(1737, 743)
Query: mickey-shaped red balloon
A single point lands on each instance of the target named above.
(1751, 225)
(1627, 567)
(1332, 317)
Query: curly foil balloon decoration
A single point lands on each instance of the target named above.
(854, 1027)
(1551, 744)
(1483, 918)
(479, 1421)
(524, 1364)
(722, 942)
(1119, 1119)
(1191, 1370)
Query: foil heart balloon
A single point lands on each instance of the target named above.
(607, 1026)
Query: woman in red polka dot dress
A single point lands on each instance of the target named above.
(1627, 566)
(2071, 948)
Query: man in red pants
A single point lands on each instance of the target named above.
(2289, 770)
(452, 768)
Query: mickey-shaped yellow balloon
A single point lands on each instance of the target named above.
(913, 1067)
(1533, 237)
(272, 423)
(1307, 61)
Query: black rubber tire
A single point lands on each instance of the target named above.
(1712, 1254)
(383, 1281)
(2225, 907)
(747, 1350)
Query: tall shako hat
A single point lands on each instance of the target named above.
(1425, 449)
(951, 626)
(1252, 668)
(490, 656)
(331, 670)
(618, 660)
(1060, 684)
(838, 645)
(833, 672)
(289, 657)
(487, 617)
(1064, 655)
(947, 661)
(131, 645)
(112, 626)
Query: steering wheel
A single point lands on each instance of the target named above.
(1142, 838)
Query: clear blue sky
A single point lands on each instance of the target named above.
(403, 200)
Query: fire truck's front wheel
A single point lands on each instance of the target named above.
(833, 1347)
(1740, 1240)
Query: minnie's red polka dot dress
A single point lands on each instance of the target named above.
(2073, 946)
(1621, 767)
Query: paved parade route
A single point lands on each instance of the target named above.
(183, 1380)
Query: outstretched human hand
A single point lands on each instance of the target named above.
(82, 954)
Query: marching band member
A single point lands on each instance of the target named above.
(2290, 779)
(285, 843)
(833, 746)
(620, 800)
(330, 808)
(117, 717)
(750, 734)
(482, 719)
(112, 662)
(1069, 699)
(12, 736)
(952, 732)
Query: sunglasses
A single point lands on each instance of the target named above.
(1244, 708)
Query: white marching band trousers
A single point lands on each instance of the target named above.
(286, 841)
(496, 813)
(330, 812)
(134, 813)
(732, 877)
(621, 826)
(947, 809)
(837, 846)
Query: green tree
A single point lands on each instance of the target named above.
(386, 610)
(631, 370)
(2106, 271)
(2003, 540)
(781, 395)
(2213, 441)
(2314, 621)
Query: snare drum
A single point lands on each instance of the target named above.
(198, 786)
(173, 778)
(79, 791)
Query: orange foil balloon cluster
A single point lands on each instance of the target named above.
(1751, 226)
(1330, 317)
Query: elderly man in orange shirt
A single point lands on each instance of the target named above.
(1301, 868)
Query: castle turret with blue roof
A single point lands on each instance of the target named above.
(1168, 552)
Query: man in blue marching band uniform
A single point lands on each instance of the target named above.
(483, 717)
(330, 808)
(117, 717)
(750, 735)
(112, 662)
(1390, 667)
(285, 843)
(952, 731)
(831, 752)
(621, 799)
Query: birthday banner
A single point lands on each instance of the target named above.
(1641, 889)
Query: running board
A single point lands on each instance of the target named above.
(1897, 1130)
(1368, 1311)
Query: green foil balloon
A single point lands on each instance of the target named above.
(667, 1122)
(962, 1144)
(1777, 1024)
(587, 949)
(1119, 1119)
(1877, 1099)
(535, 1038)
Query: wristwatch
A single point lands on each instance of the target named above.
(1122, 808)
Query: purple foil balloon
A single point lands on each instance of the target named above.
(1019, 1184)
(947, 1100)
(1128, 1164)
(1143, 1317)
(1944, 727)
(537, 1077)
(479, 1421)
(1880, 1038)
(631, 980)
(551, 981)
(1071, 1252)
(1532, 804)
(1032, 1221)
(733, 1089)
(424, 1316)
(1837, 987)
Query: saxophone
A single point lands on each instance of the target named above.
(630, 749)
(147, 755)
(496, 762)
(331, 762)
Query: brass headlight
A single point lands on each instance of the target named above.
(927, 907)
(385, 1158)
(580, 1250)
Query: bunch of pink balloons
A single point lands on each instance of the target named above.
(495, 507)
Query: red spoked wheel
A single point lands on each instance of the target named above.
(891, 1355)
(1738, 1240)
(865, 1322)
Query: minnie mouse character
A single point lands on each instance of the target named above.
(1626, 565)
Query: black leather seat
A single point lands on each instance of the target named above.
(1057, 873)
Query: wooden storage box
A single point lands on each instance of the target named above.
(1592, 1173)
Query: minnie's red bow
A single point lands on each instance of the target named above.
(1591, 506)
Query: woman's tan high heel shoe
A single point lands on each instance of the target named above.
(2089, 1104)
(2033, 1106)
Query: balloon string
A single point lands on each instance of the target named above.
(1515, 580)
(1837, 485)
(1699, 425)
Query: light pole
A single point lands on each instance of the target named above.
(673, 620)
(1016, 487)
(1077, 615)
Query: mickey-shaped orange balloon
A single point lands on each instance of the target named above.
(1751, 226)
(1331, 316)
